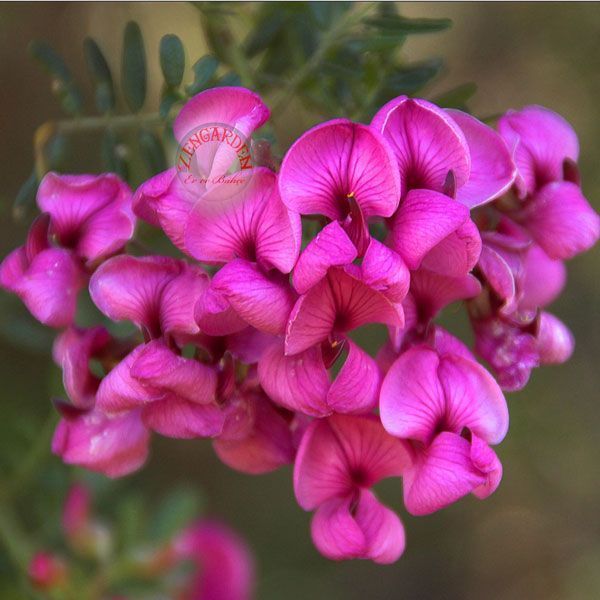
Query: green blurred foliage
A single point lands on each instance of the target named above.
(538, 537)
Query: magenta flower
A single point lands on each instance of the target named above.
(441, 156)
(450, 410)
(73, 350)
(113, 445)
(224, 568)
(86, 219)
(339, 459)
(259, 239)
(166, 200)
(45, 278)
(260, 439)
(156, 293)
(302, 382)
(430, 143)
(345, 171)
(338, 297)
(554, 210)
(511, 333)
(176, 395)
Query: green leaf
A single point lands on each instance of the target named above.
(407, 26)
(64, 86)
(457, 97)
(114, 154)
(169, 98)
(412, 78)
(133, 71)
(25, 199)
(56, 151)
(152, 151)
(204, 70)
(267, 27)
(229, 78)
(101, 75)
(172, 59)
(176, 511)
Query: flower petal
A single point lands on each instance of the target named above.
(331, 247)
(251, 223)
(267, 447)
(50, 285)
(215, 316)
(120, 391)
(372, 531)
(343, 452)
(543, 279)
(115, 446)
(130, 288)
(433, 291)
(73, 350)
(336, 161)
(456, 254)
(424, 219)
(262, 300)
(473, 399)
(445, 472)
(561, 220)
(492, 169)
(237, 107)
(158, 367)
(555, 341)
(384, 270)
(299, 382)
(175, 417)
(540, 140)
(412, 400)
(426, 141)
(356, 387)
(338, 303)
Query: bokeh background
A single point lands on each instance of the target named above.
(538, 536)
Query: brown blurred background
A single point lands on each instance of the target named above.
(538, 537)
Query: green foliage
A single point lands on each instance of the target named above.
(133, 69)
(63, 84)
(101, 75)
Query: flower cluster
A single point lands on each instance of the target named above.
(384, 223)
(203, 561)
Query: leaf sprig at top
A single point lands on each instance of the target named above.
(291, 49)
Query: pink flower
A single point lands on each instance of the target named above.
(259, 239)
(73, 350)
(339, 459)
(345, 171)
(86, 219)
(47, 279)
(430, 143)
(224, 565)
(90, 214)
(450, 410)
(47, 571)
(257, 437)
(510, 332)
(76, 517)
(302, 382)
(113, 445)
(554, 210)
(448, 163)
(337, 296)
(166, 200)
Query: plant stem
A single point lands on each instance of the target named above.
(329, 39)
(37, 453)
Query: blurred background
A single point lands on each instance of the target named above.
(538, 536)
